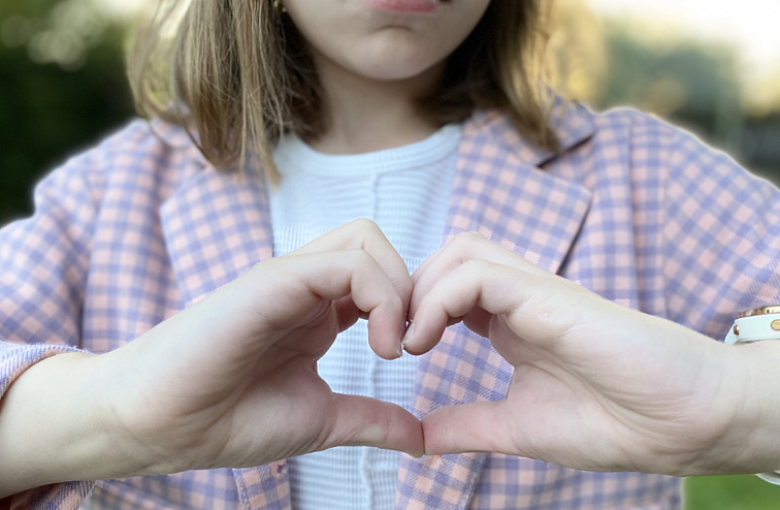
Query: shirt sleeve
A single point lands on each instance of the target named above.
(44, 263)
(721, 231)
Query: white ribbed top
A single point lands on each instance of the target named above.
(405, 191)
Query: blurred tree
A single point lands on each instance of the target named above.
(609, 63)
(62, 84)
(760, 142)
(577, 51)
(691, 83)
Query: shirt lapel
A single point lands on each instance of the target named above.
(216, 226)
(500, 192)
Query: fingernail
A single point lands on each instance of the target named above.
(409, 334)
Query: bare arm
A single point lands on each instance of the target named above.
(229, 382)
(597, 386)
(52, 428)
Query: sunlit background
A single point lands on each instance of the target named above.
(708, 65)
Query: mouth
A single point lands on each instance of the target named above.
(406, 6)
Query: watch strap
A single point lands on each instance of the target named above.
(773, 478)
(753, 326)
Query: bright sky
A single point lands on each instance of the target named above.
(751, 26)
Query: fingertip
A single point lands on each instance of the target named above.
(418, 453)
(391, 427)
(416, 444)
(406, 290)
(347, 313)
(434, 433)
(408, 334)
(472, 427)
(422, 335)
(408, 345)
(386, 325)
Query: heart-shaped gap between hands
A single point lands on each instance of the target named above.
(232, 381)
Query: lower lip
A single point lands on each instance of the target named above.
(410, 6)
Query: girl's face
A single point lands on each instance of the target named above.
(385, 39)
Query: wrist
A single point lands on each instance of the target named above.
(762, 427)
(751, 442)
(49, 428)
(128, 418)
(53, 426)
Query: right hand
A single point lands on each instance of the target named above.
(232, 381)
(596, 386)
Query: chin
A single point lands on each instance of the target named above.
(395, 62)
(394, 71)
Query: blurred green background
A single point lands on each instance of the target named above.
(62, 87)
(62, 83)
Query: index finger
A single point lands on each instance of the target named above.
(461, 249)
(364, 234)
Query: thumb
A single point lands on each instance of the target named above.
(365, 421)
(476, 427)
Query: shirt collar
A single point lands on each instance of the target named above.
(571, 122)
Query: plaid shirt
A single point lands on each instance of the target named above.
(631, 208)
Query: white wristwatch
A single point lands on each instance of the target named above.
(753, 326)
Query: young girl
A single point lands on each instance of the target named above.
(285, 121)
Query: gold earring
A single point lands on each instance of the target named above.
(279, 7)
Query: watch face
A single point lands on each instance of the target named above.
(764, 310)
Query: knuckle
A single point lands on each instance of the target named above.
(361, 257)
(467, 240)
(363, 232)
(477, 265)
(474, 237)
(397, 303)
(407, 286)
(365, 225)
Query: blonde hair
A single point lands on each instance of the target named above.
(237, 75)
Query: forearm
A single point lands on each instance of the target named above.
(52, 426)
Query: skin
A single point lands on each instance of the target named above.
(379, 45)
(379, 64)
(597, 386)
(671, 400)
(169, 401)
(642, 394)
(229, 382)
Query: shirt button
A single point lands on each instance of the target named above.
(279, 470)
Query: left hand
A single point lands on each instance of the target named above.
(232, 381)
(597, 386)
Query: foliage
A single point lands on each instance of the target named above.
(50, 107)
(692, 83)
(62, 85)
(730, 493)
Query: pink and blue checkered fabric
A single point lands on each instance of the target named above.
(142, 226)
